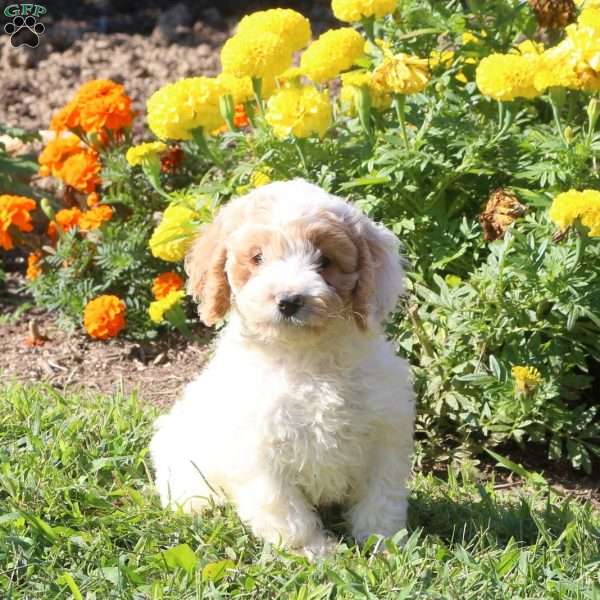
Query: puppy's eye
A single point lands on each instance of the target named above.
(257, 258)
(324, 262)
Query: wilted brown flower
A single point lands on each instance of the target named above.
(554, 14)
(502, 208)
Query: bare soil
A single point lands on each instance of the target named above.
(156, 370)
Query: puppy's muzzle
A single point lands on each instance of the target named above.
(289, 305)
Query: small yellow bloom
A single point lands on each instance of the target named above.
(505, 77)
(468, 37)
(299, 111)
(255, 53)
(177, 108)
(353, 81)
(158, 308)
(351, 11)
(260, 177)
(136, 155)
(292, 27)
(572, 205)
(401, 74)
(174, 235)
(335, 51)
(529, 47)
(442, 58)
(526, 378)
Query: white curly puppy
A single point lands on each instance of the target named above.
(304, 402)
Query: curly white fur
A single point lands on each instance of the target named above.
(293, 414)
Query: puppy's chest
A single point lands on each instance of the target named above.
(317, 434)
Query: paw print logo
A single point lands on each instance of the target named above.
(24, 31)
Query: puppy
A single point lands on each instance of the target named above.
(304, 403)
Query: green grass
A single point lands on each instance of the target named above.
(78, 518)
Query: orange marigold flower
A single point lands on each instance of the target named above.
(166, 283)
(66, 118)
(240, 118)
(16, 211)
(98, 105)
(93, 218)
(104, 317)
(67, 218)
(56, 152)
(33, 267)
(82, 171)
(52, 232)
(92, 200)
(108, 111)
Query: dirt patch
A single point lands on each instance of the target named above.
(157, 370)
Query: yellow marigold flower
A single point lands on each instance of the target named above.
(351, 11)
(174, 235)
(240, 88)
(586, 40)
(104, 317)
(177, 108)
(260, 177)
(590, 16)
(137, 154)
(292, 27)
(526, 378)
(258, 54)
(563, 66)
(158, 308)
(33, 267)
(572, 205)
(529, 47)
(299, 111)
(290, 77)
(95, 217)
(441, 57)
(335, 51)
(505, 77)
(401, 74)
(165, 283)
(353, 81)
(15, 211)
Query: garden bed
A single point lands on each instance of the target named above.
(69, 359)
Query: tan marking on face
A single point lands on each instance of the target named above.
(333, 240)
(250, 249)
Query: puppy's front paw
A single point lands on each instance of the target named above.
(320, 547)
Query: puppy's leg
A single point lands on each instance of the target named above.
(279, 513)
(380, 506)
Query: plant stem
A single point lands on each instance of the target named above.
(257, 89)
(200, 141)
(369, 26)
(400, 106)
(556, 115)
(298, 144)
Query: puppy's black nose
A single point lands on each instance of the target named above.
(290, 305)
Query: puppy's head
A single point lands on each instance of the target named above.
(290, 257)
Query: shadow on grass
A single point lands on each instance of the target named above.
(524, 519)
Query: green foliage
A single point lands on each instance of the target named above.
(79, 519)
(16, 171)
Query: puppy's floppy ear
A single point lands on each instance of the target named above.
(205, 267)
(380, 273)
